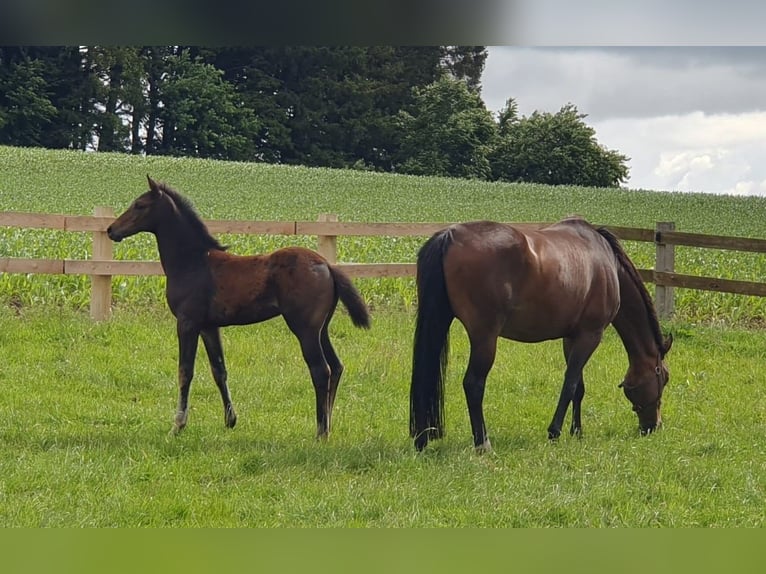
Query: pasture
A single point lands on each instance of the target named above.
(86, 407)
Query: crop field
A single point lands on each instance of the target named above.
(74, 183)
(85, 407)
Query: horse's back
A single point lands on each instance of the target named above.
(253, 288)
(530, 283)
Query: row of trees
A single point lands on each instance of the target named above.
(397, 109)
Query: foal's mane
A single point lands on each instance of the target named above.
(632, 272)
(190, 215)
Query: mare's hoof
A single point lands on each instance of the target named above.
(231, 419)
(553, 434)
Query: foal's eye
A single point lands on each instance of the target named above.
(139, 206)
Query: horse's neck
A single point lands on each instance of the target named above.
(180, 249)
(633, 324)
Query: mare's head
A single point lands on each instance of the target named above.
(643, 388)
(146, 213)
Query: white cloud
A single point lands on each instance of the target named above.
(693, 152)
(689, 119)
(748, 188)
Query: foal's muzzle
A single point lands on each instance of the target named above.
(113, 235)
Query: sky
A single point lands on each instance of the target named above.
(691, 119)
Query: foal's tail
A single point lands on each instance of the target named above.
(351, 298)
(431, 345)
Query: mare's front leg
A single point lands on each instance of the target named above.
(483, 349)
(580, 349)
(576, 428)
(188, 338)
(212, 340)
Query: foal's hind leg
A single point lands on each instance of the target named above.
(580, 350)
(336, 370)
(309, 338)
(576, 428)
(212, 340)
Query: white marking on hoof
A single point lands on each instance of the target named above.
(180, 422)
(484, 448)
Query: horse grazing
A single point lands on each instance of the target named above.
(208, 288)
(565, 281)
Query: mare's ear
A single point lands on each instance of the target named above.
(153, 185)
(667, 344)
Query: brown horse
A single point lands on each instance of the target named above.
(208, 288)
(565, 281)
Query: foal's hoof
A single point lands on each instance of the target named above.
(231, 419)
(553, 434)
(179, 423)
(484, 448)
(576, 432)
(421, 441)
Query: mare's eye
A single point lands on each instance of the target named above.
(139, 206)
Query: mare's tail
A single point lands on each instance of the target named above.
(351, 299)
(431, 344)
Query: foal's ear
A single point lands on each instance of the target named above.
(667, 344)
(153, 185)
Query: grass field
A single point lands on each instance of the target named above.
(85, 407)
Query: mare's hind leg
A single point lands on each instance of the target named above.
(580, 350)
(336, 369)
(483, 349)
(576, 428)
(212, 340)
(188, 339)
(309, 338)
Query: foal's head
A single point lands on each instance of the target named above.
(643, 388)
(144, 214)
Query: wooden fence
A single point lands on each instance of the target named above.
(327, 229)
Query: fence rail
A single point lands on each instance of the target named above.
(327, 229)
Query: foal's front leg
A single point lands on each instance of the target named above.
(188, 338)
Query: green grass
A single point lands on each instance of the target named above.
(86, 409)
(74, 183)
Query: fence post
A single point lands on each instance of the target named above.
(327, 245)
(101, 285)
(665, 261)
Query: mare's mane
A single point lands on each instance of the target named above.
(190, 215)
(632, 273)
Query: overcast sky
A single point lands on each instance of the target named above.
(690, 118)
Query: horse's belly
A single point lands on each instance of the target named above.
(536, 323)
(235, 313)
(533, 332)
